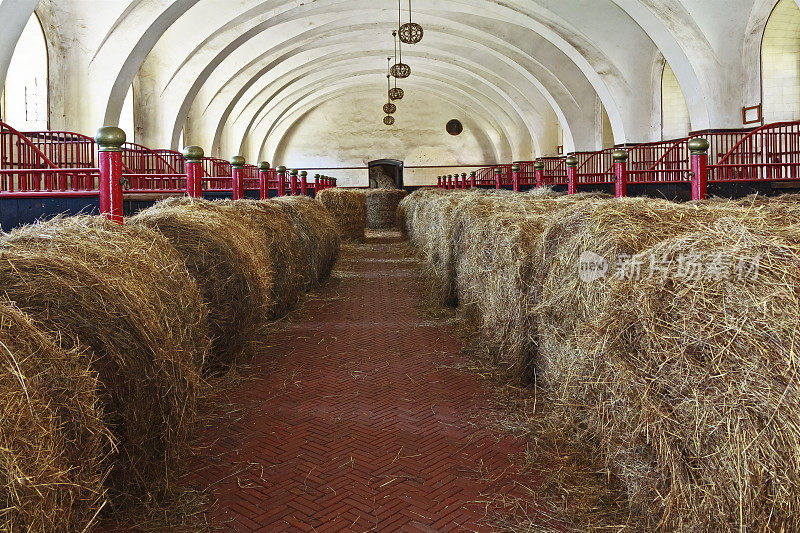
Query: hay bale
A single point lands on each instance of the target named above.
(407, 207)
(282, 242)
(230, 262)
(695, 388)
(124, 293)
(348, 207)
(52, 439)
(494, 242)
(318, 234)
(382, 207)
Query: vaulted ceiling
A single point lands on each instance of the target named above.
(238, 75)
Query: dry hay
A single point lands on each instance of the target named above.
(495, 241)
(382, 207)
(124, 293)
(318, 234)
(694, 389)
(348, 207)
(544, 192)
(52, 439)
(279, 236)
(230, 262)
(407, 207)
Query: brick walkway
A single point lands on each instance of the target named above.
(363, 424)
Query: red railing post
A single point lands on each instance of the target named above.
(572, 174)
(281, 180)
(438, 182)
(304, 183)
(698, 148)
(316, 183)
(109, 141)
(449, 184)
(620, 173)
(193, 156)
(263, 180)
(515, 168)
(538, 172)
(237, 176)
(293, 182)
(498, 177)
(463, 180)
(472, 179)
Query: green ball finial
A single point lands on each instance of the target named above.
(572, 161)
(498, 170)
(109, 139)
(316, 176)
(281, 169)
(620, 155)
(515, 167)
(698, 145)
(303, 173)
(473, 174)
(538, 165)
(264, 165)
(237, 161)
(293, 172)
(193, 153)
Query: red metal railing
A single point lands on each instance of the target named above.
(65, 149)
(555, 171)
(768, 153)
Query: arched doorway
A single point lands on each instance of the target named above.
(24, 103)
(780, 64)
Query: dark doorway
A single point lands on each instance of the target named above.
(386, 174)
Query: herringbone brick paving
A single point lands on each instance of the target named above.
(363, 423)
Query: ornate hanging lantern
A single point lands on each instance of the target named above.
(396, 93)
(388, 120)
(399, 69)
(389, 107)
(410, 33)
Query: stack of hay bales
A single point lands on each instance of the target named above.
(52, 439)
(123, 294)
(348, 207)
(230, 261)
(382, 207)
(317, 233)
(688, 386)
(282, 243)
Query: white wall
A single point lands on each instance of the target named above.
(780, 56)
(25, 105)
(349, 132)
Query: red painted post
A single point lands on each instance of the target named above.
(438, 182)
(109, 142)
(304, 183)
(472, 179)
(293, 182)
(698, 147)
(193, 155)
(316, 183)
(463, 180)
(263, 180)
(281, 183)
(538, 172)
(515, 168)
(498, 177)
(237, 176)
(620, 173)
(572, 174)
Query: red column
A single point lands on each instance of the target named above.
(193, 155)
(463, 180)
(572, 174)
(498, 178)
(316, 183)
(515, 176)
(304, 183)
(438, 182)
(237, 177)
(109, 141)
(538, 172)
(449, 182)
(293, 181)
(698, 148)
(472, 179)
(263, 180)
(620, 173)
(281, 180)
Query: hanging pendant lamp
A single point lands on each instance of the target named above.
(389, 108)
(399, 69)
(410, 33)
(396, 93)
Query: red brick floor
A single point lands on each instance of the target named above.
(364, 424)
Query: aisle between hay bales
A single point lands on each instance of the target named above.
(364, 423)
